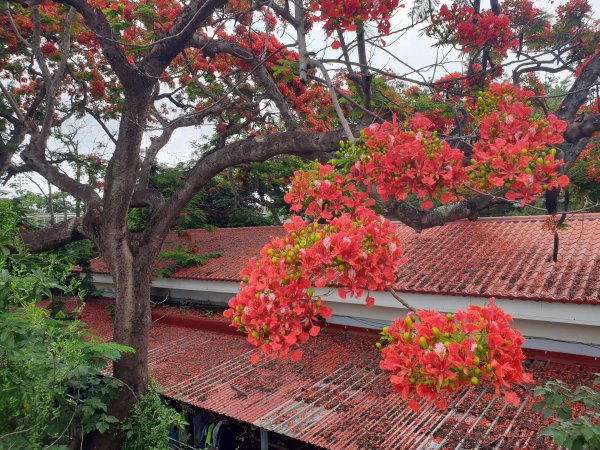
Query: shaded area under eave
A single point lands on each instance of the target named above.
(335, 397)
(505, 257)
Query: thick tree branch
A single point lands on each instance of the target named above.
(196, 118)
(464, 209)
(366, 77)
(124, 165)
(583, 127)
(301, 37)
(144, 196)
(280, 11)
(336, 103)
(189, 20)
(534, 67)
(579, 91)
(35, 158)
(8, 148)
(56, 236)
(13, 104)
(307, 144)
(572, 152)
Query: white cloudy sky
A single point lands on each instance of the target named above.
(414, 48)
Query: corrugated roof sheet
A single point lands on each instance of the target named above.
(336, 397)
(509, 257)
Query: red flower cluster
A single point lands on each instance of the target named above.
(322, 193)
(523, 13)
(277, 306)
(588, 163)
(348, 14)
(515, 148)
(49, 49)
(400, 162)
(462, 25)
(431, 355)
(309, 101)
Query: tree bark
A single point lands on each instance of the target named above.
(132, 325)
(50, 238)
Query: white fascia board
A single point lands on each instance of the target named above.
(228, 287)
(580, 314)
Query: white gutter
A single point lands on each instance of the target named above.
(579, 323)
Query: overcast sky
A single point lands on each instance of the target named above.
(414, 48)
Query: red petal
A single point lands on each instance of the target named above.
(563, 180)
(325, 312)
(255, 358)
(414, 405)
(427, 205)
(296, 355)
(512, 398)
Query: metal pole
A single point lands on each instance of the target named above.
(264, 439)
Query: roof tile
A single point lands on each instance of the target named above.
(508, 257)
(335, 397)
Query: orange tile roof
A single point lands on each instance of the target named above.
(508, 257)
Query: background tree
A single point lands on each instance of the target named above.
(249, 195)
(156, 67)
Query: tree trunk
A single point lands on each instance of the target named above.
(132, 326)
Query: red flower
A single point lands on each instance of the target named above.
(431, 354)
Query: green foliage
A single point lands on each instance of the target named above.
(581, 172)
(49, 367)
(243, 196)
(111, 310)
(79, 253)
(182, 257)
(50, 378)
(575, 414)
(32, 203)
(248, 217)
(287, 70)
(26, 278)
(148, 426)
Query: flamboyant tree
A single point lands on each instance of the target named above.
(427, 149)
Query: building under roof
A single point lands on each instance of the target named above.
(504, 257)
(335, 397)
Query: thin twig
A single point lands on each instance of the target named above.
(536, 208)
(14, 433)
(400, 299)
(68, 425)
(336, 103)
(13, 103)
